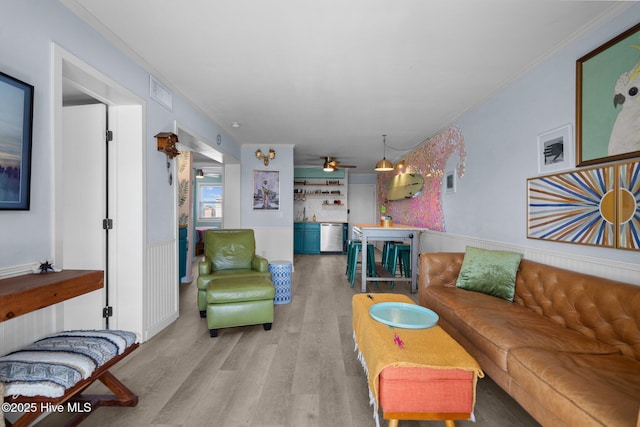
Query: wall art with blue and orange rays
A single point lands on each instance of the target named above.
(596, 206)
(629, 206)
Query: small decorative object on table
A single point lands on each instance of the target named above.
(46, 267)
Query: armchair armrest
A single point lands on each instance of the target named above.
(204, 267)
(259, 263)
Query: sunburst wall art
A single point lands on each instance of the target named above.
(596, 206)
(629, 206)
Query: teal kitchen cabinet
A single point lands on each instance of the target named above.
(306, 237)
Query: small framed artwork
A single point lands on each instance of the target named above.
(607, 127)
(266, 190)
(555, 150)
(16, 123)
(450, 181)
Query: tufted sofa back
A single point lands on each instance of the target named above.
(602, 309)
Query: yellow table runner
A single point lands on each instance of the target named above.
(381, 345)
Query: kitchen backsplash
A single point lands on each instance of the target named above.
(324, 213)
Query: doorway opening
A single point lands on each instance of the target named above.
(200, 198)
(76, 83)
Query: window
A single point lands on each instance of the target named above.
(209, 202)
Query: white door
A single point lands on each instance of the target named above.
(83, 206)
(362, 204)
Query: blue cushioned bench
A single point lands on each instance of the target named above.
(57, 369)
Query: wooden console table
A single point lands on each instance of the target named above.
(23, 294)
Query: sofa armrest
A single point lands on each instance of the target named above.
(440, 268)
(260, 264)
(204, 267)
(437, 269)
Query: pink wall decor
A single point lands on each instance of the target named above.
(429, 159)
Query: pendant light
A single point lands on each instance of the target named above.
(384, 165)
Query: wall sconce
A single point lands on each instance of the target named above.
(266, 157)
(167, 144)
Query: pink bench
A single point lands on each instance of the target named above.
(408, 393)
(428, 377)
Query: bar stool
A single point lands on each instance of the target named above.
(400, 254)
(386, 252)
(352, 260)
(350, 245)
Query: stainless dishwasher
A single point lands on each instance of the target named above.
(331, 237)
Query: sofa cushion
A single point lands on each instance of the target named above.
(496, 326)
(602, 309)
(582, 389)
(489, 272)
(240, 289)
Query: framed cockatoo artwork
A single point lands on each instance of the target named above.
(608, 101)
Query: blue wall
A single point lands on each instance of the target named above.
(27, 31)
(501, 142)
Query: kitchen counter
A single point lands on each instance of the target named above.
(315, 237)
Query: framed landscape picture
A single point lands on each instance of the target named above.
(16, 122)
(607, 84)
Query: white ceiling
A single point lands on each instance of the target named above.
(333, 76)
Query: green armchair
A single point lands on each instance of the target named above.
(234, 284)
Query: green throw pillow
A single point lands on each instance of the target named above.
(489, 272)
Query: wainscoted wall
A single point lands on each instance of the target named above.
(160, 295)
(274, 243)
(160, 302)
(434, 241)
(23, 330)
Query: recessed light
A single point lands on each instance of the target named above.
(235, 125)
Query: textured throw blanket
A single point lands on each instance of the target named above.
(380, 345)
(53, 364)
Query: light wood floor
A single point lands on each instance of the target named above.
(303, 372)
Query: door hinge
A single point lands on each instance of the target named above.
(109, 136)
(107, 224)
(107, 311)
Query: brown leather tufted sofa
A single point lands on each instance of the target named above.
(567, 348)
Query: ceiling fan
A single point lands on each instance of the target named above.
(331, 164)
